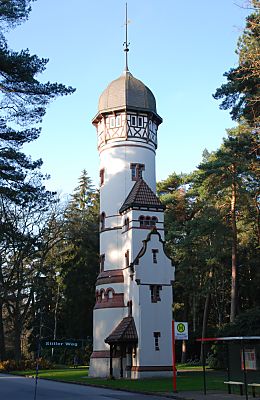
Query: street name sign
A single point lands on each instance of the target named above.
(73, 344)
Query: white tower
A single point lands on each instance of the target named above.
(133, 310)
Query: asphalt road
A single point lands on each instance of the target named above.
(19, 388)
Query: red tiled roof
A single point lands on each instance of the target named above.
(124, 332)
(141, 196)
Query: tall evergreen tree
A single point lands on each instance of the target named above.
(229, 178)
(23, 101)
(81, 258)
(241, 93)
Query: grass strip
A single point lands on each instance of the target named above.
(186, 381)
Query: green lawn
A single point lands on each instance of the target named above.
(186, 381)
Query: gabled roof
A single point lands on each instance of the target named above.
(141, 196)
(125, 332)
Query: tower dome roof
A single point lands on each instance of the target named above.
(127, 92)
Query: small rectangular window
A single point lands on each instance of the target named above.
(155, 252)
(133, 120)
(127, 258)
(102, 262)
(140, 122)
(155, 293)
(156, 336)
(118, 120)
(137, 171)
(112, 122)
(102, 176)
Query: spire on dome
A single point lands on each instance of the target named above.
(126, 43)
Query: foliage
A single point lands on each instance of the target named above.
(23, 101)
(241, 93)
(212, 233)
(23, 365)
(25, 239)
(245, 324)
(14, 12)
(81, 258)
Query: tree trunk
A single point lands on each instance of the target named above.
(194, 313)
(258, 217)
(17, 338)
(233, 308)
(2, 335)
(183, 352)
(184, 343)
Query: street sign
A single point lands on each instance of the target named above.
(73, 344)
(181, 330)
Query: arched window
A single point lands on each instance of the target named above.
(110, 293)
(126, 223)
(102, 221)
(153, 221)
(147, 222)
(141, 219)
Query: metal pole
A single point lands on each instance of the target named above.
(38, 357)
(228, 363)
(55, 318)
(204, 369)
(174, 381)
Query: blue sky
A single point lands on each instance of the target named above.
(179, 49)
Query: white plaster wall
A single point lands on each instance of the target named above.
(112, 221)
(105, 321)
(132, 239)
(111, 246)
(150, 273)
(116, 161)
(99, 368)
(155, 317)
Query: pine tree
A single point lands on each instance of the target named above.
(241, 93)
(23, 101)
(229, 178)
(81, 258)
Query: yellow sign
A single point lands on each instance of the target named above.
(181, 330)
(181, 327)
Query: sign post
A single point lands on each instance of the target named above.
(174, 381)
(179, 332)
